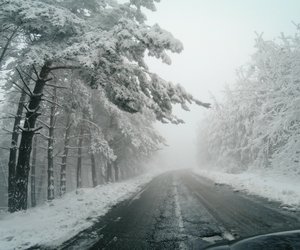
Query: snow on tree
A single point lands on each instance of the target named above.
(106, 42)
(257, 126)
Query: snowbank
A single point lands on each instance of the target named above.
(56, 222)
(269, 184)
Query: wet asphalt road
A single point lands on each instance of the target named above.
(179, 210)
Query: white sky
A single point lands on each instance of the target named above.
(218, 37)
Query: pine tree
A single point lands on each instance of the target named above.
(107, 46)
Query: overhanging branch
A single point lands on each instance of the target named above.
(64, 67)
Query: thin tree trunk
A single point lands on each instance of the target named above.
(23, 167)
(13, 153)
(63, 168)
(50, 188)
(32, 177)
(40, 186)
(79, 158)
(93, 162)
(101, 177)
(123, 172)
(109, 172)
(116, 168)
(93, 166)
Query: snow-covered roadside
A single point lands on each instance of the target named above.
(54, 223)
(269, 184)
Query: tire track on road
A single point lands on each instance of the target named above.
(239, 216)
(178, 210)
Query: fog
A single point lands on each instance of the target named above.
(81, 165)
(218, 37)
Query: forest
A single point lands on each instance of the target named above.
(78, 102)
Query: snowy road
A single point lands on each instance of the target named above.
(179, 210)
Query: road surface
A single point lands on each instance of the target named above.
(180, 210)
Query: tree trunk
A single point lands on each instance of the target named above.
(116, 168)
(23, 167)
(33, 167)
(63, 168)
(109, 172)
(101, 177)
(79, 159)
(13, 153)
(40, 185)
(93, 166)
(50, 156)
(93, 162)
(121, 173)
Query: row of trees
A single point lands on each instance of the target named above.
(85, 90)
(82, 136)
(257, 124)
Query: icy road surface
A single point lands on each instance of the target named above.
(180, 210)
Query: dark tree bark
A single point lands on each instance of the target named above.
(50, 156)
(93, 166)
(93, 161)
(28, 131)
(63, 168)
(32, 177)
(13, 152)
(79, 158)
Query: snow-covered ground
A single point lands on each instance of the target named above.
(269, 184)
(55, 222)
